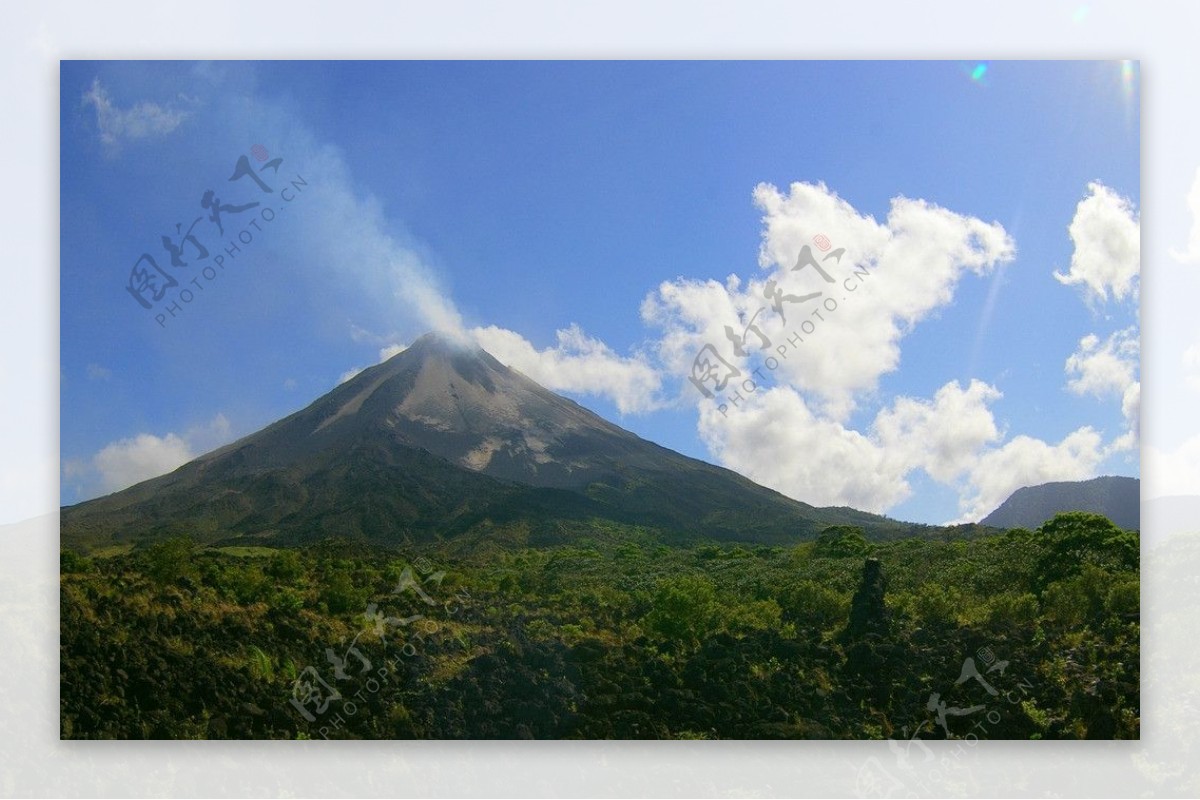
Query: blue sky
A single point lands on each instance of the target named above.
(581, 221)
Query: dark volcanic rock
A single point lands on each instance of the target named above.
(868, 613)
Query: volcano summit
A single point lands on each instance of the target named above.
(442, 441)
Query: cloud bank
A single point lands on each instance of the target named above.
(1107, 238)
(794, 436)
(125, 462)
(578, 364)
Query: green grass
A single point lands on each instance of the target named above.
(245, 551)
(112, 550)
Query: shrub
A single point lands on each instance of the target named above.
(70, 562)
(245, 583)
(817, 605)
(1078, 601)
(340, 595)
(288, 599)
(170, 560)
(286, 566)
(935, 604)
(1013, 610)
(756, 615)
(1124, 598)
(684, 610)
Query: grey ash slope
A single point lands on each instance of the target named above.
(436, 442)
(1117, 498)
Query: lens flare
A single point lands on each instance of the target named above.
(979, 71)
(1129, 86)
(1128, 74)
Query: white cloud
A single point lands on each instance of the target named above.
(137, 122)
(128, 461)
(690, 313)
(943, 437)
(385, 352)
(1107, 240)
(775, 439)
(1191, 254)
(920, 253)
(391, 350)
(1131, 409)
(578, 364)
(1104, 370)
(204, 438)
(1110, 370)
(914, 262)
(793, 436)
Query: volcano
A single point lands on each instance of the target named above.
(444, 441)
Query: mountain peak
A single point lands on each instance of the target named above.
(437, 342)
(458, 402)
(433, 365)
(443, 437)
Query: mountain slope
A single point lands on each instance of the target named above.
(1115, 497)
(433, 443)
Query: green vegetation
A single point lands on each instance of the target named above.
(613, 636)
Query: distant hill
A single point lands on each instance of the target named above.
(1115, 497)
(439, 442)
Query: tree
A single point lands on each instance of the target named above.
(812, 603)
(69, 561)
(169, 560)
(684, 610)
(1076, 539)
(339, 594)
(286, 566)
(842, 541)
